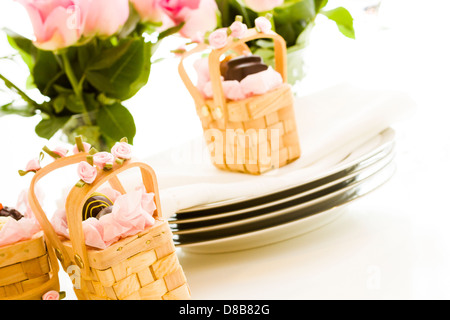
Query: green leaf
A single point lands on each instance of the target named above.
(48, 127)
(24, 46)
(107, 57)
(125, 76)
(47, 69)
(170, 31)
(116, 122)
(25, 110)
(343, 19)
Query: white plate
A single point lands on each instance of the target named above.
(346, 166)
(288, 230)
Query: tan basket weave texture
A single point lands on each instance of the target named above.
(26, 271)
(143, 267)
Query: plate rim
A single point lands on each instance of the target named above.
(388, 133)
(388, 152)
(257, 232)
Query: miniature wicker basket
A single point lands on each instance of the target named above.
(28, 270)
(253, 135)
(140, 267)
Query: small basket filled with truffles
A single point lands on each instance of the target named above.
(246, 107)
(28, 265)
(110, 237)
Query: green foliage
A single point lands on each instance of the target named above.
(85, 85)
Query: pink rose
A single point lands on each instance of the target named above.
(238, 29)
(149, 10)
(263, 24)
(54, 22)
(219, 38)
(103, 158)
(103, 17)
(199, 21)
(86, 172)
(122, 150)
(33, 165)
(51, 295)
(174, 8)
(86, 146)
(263, 5)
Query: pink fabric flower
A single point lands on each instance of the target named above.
(86, 146)
(263, 5)
(149, 10)
(51, 295)
(103, 17)
(122, 150)
(238, 29)
(55, 23)
(103, 158)
(33, 165)
(86, 172)
(263, 24)
(60, 151)
(219, 38)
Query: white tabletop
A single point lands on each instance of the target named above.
(391, 244)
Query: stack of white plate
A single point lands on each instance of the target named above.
(240, 224)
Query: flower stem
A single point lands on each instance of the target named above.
(77, 86)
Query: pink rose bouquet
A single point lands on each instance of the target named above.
(88, 56)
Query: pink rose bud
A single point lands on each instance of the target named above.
(263, 5)
(86, 172)
(62, 152)
(86, 146)
(122, 150)
(198, 21)
(56, 23)
(218, 39)
(103, 158)
(149, 10)
(51, 295)
(103, 17)
(263, 24)
(33, 166)
(238, 29)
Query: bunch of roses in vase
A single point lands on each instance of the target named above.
(89, 56)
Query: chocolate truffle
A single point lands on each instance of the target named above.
(95, 204)
(10, 212)
(240, 67)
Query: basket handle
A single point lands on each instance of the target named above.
(78, 196)
(252, 34)
(192, 88)
(39, 213)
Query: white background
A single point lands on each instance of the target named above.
(398, 236)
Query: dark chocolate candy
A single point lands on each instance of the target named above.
(241, 67)
(10, 212)
(104, 212)
(95, 204)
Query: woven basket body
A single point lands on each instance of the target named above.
(253, 135)
(27, 270)
(140, 267)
